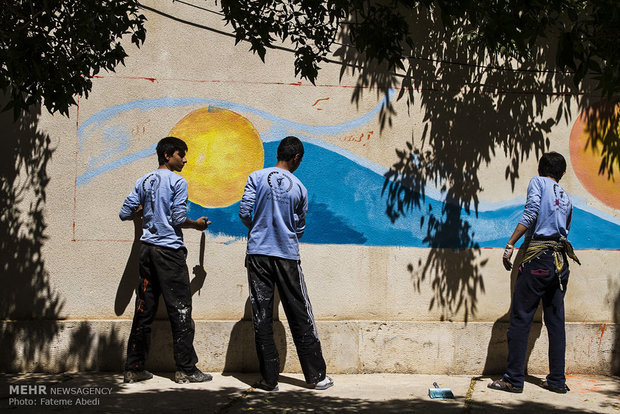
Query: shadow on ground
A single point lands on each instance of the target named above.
(137, 398)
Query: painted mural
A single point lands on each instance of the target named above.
(347, 204)
(586, 164)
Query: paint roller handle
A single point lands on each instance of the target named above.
(138, 214)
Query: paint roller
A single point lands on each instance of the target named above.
(440, 393)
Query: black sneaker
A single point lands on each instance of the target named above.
(562, 390)
(129, 377)
(262, 384)
(196, 375)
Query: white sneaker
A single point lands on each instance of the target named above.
(324, 384)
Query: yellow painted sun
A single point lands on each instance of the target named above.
(586, 164)
(223, 149)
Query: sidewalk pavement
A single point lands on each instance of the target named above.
(360, 393)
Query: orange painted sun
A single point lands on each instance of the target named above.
(586, 163)
(223, 149)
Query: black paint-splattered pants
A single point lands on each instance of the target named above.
(264, 274)
(162, 271)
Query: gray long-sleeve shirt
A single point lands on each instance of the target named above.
(548, 210)
(279, 202)
(163, 196)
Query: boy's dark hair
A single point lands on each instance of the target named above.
(168, 146)
(288, 148)
(552, 164)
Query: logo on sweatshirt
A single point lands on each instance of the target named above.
(561, 199)
(280, 185)
(151, 182)
(279, 182)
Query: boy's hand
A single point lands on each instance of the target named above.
(202, 223)
(507, 255)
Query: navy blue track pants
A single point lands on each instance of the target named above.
(538, 279)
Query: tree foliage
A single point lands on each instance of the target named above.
(579, 38)
(587, 32)
(485, 74)
(49, 50)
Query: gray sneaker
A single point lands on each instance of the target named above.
(129, 377)
(196, 375)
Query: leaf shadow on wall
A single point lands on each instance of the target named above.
(476, 109)
(30, 307)
(603, 129)
(27, 296)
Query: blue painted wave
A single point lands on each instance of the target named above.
(346, 206)
(117, 138)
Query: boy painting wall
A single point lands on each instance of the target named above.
(543, 274)
(160, 198)
(274, 207)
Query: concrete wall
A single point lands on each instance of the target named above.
(421, 292)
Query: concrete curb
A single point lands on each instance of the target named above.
(350, 347)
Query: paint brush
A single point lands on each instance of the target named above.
(440, 393)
